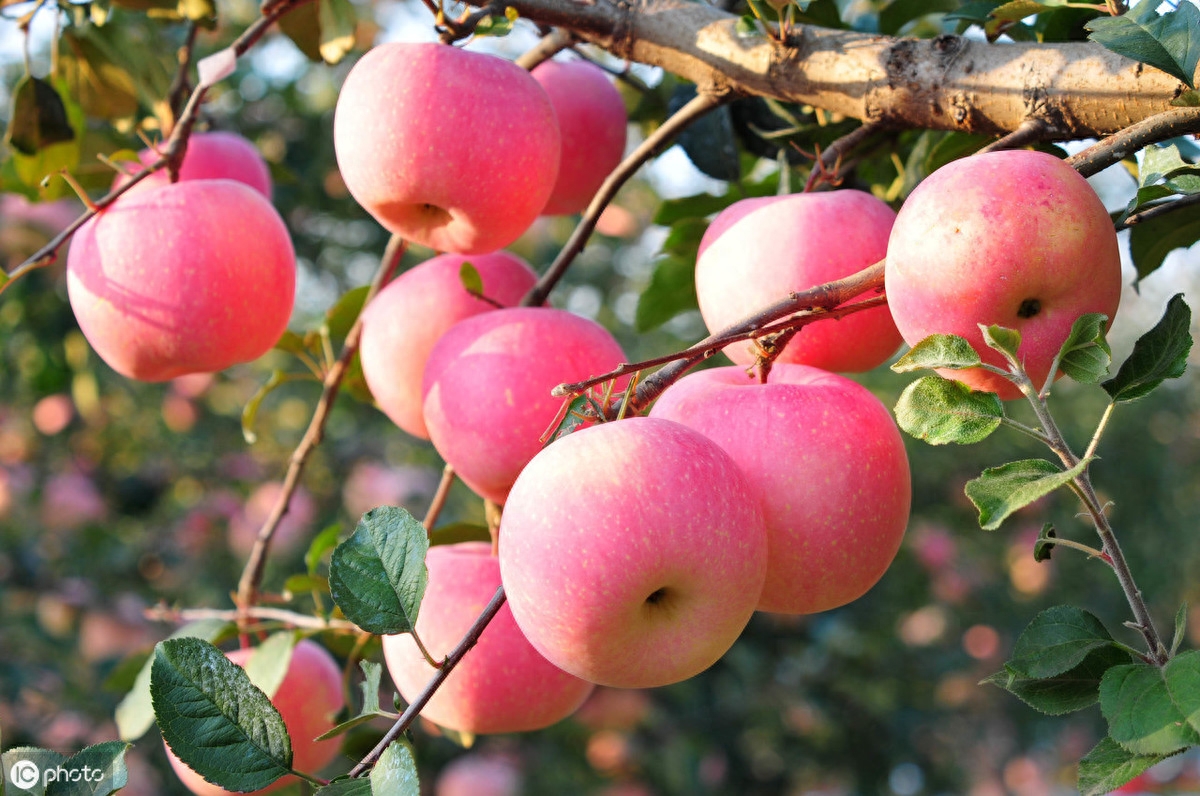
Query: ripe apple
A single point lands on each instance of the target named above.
(452, 149)
(756, 251)
(1013, 238)
(827, 462)
(487, 388)
(215, 155)
(503, 684)
(633, 552)
(187, 278)
(309, 698)
(592, 121)
(402, 323)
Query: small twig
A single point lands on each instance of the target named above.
(1028, 132)
(1158, 210)
(417, 705)
(701, 104)
(1119, 146)
(181, 86)
(289, 618)
(439, 498)
(559, 39)
(252, 574)
(833, 155)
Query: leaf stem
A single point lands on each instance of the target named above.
(1100, 427)
(1030, 431)
(424, 651)
(439, 498)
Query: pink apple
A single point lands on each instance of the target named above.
(309, 699)
(633, 552)
(1012, 238)
(756, 251)
(827, 462)
(402, 323)
(487, 388)
(452, 149)
(215, 155)
(503, 684)
(480, 774)
(186, 278)
(592, 121)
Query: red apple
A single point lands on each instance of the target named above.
(187, 278)
(633, 552)
(309, 699)
(1013, 238)
(827, 462)
(402, 323)
(503, 684)
(215, 155)
(756, 251)
(452, 149)
(487, 388)
(592, 121)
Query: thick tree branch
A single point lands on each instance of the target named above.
(948, 83)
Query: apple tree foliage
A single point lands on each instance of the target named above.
(791, 705)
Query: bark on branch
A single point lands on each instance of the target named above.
(949, 83)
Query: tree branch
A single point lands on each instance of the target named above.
(1115, 148)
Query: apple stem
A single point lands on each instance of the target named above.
(252, 574)
(493, 511)
(699, 105)
(439, 498)
(417, 705)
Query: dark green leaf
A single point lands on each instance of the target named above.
(1002, 339)
(135, 713)
(101, 770)
(898, 13)
(22, 767)
(1180, 628)
(1159, 354)
(1000, 491)
(347, 786)
(699, 206)
(1016, 10)
(303, 26)
(214, 719)
(1085, 355)
(941, 411)
(102, 87)
(1142, 715)
(338, 23)
(1152, 240)
(672, 290)
(269, 661)
(1170, 42)
(291, 342)
(304, 582)
(38, 118)
(1066, 692)
(939, 351)
(250, 411)
(378, 576)
(1057, 640)
(396, 772)
(747, 25)
(469, 276)
(1109, 766)
(1044, 546)
(324, 542)
(709, 141)
(342, 315)
(459, 532)
(1183, 682)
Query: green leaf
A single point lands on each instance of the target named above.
(709, 141)
(494, 25)
(1151, 241)
(338, 24)
(38, 118)
(1109, 766)
(1170, 42)
(250, 411)
(459, 532)
(1142, 715)
(698, 206)
(346, 786)
(939, 351)
(214, 719)
(101, 770)
(1085, 354)
(28, 762)
(1057, 640)
(303, 26)
(298, 584)
(1000, 491)
(1002, 339)
(1161, 162)
(372, 675)
(396, 772)
(898, 13)
(289, 341)
(1016, 10)
(940, 411)
(324, 542)
(342, 315)
(1159, 354)
(1182, 674)
(103, 88)
(573, 418)
(269, 661)
(672, 290)
(472, 282)
(378, 576)
(135, 713)
(1180, 628)
(1066, 692)
(1044, 546)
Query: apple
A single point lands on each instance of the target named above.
(1014, 238)
(827, 463)
(214, 155)
(487, 388)
(480, 774)
(503, 684)
(633, 552)
(309, 698)
(402, 324)
(186, 278)
(592, 121)
(759, 250)
(452, 149)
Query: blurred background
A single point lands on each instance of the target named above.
(116, 496)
